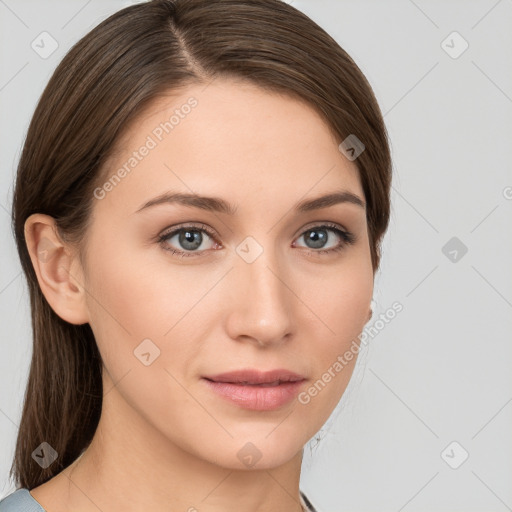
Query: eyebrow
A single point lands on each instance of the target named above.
(216, 204)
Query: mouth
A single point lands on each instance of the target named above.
(255, 390)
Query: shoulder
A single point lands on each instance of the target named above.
(20, 501)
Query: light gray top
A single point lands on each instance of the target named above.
(20, 501)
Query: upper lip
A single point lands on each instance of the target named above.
(253, 376)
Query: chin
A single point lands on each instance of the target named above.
(259, 448)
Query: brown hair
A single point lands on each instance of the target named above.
(100, 87)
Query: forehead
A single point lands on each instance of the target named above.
(227, 139)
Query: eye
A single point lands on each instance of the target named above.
(189, 239)
(318, 239)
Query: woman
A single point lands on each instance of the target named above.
(199, 209)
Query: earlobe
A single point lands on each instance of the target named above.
(58, 269)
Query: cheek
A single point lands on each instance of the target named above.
(127, 293)
(342, 303)
(135, 296)
(137, 309)
(341, 298)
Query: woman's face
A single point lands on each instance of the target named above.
(259, 287)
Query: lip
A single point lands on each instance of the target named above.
(256, 390)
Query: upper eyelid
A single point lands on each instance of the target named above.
(180, 227)
(205, 227)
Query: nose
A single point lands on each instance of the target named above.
(261, 304)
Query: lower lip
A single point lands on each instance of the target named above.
(254, 397)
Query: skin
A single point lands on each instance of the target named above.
(165, 441)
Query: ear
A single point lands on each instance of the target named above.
(58, 269)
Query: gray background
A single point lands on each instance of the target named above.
(440, 371)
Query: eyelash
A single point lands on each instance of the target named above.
(346, 237)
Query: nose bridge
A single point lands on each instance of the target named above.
(262, 307)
